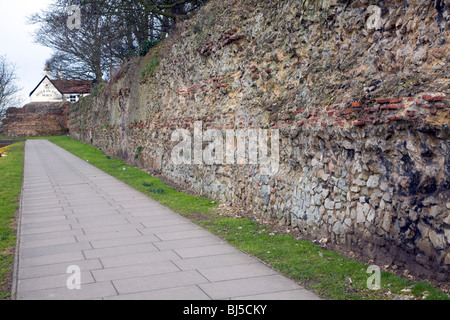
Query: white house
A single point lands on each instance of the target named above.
(60, 90)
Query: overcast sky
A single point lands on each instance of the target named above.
(17, 43)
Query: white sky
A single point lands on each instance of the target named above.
(17, 42)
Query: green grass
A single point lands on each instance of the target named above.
(11, 168)
(323, 271)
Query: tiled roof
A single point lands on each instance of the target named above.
(69, 86)
(73, 86)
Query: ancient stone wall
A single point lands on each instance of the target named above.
(358, 93)
(36, 119)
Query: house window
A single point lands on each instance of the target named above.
(73, 98)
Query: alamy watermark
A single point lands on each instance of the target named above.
(241, 147)
(374, 281)
(74, 280)
(74, 19)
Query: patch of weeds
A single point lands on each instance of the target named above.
(150, 67)
(157, 190)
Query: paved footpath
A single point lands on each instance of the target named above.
(74, 217)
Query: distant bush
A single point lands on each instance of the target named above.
(146, 45)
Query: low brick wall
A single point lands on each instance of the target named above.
(36, 119)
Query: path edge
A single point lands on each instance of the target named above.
(15, 271)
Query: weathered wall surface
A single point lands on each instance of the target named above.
(36, 119)
(359, 94)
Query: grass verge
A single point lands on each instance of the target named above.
(330, 274)
(11, 169)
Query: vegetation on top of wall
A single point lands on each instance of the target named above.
(150, 67)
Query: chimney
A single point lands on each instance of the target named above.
(47, 70)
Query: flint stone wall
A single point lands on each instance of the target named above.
(359, 94)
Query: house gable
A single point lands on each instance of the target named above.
(46, 91)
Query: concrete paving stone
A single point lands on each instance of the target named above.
(108, 235)
(87, 292)
(30, 205)
(182, 235)
(130, 198)
(124, 241)
(110, 221)
(170, 228)
(179, 293)
(159, 281)
(49, 196)
(51, 259)
(92, 201)
(92, 206)
(228, 259)
(117, 227)
(24, 244)
(30, 231)
(201, 251)
(299, 294)
(237, 271)
(162, 221)
(100, 214)
(135, 204)
(248, 286)
(39, 202)
(58, 268)
(133, 271)
(43, 212)
(94, 211)
(188, 243)
(53, 223)
(25, 219)
(50, 235)
(148, 212)
(55, 249)
(119, 250)
(54, 281)
(139, 258)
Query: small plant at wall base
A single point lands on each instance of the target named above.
(138, 150)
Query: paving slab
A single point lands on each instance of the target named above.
(82, 234)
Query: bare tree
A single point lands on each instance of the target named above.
(84, 52)
(8, 86)
(110, 32)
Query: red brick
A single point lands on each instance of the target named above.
(395, 100)
(439, 106)
(356, 104)
(382, 101)
(432, 99)
(389, 107)
(359, 123)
